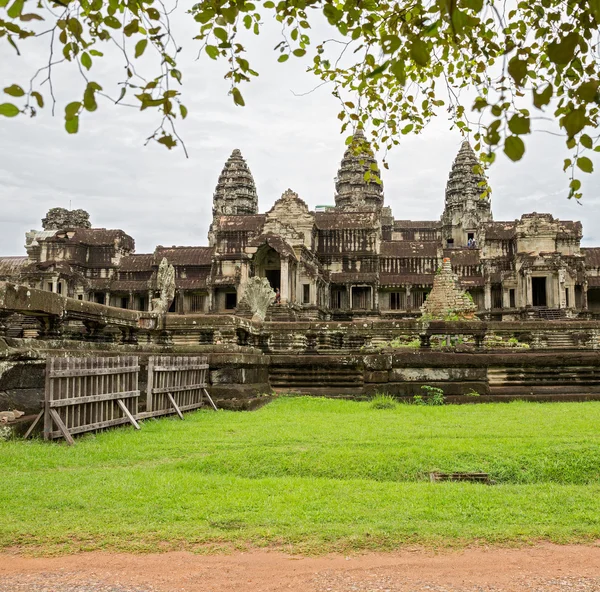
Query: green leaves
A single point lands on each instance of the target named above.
(14, 91)
(72, 125)
(419, 52)
(517, 69)
(15, 9)
(71, 110)
(72, 117)
(212, 51)
(140, 47)
(86, 60)
(514, 148)
(9, 110)
(562, 52)
(237, 97)
(574, 122)
(585, 164)
(519, 124)
(542, 98)
(390, 43)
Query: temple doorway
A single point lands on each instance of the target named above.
(267, 263)
(538, 289)
(274, 277)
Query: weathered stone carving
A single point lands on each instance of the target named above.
(258, 295)
(61, 218)
(446, 299)
(165, 283)
(6, 416)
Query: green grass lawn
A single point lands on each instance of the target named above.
(311, 475)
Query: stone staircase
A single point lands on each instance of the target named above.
(559, 341)
(551, 314)
(281, 313)
(545, 383)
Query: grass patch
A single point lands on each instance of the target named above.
(312, 475)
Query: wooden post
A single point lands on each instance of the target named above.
(177, 410)
(210, 400)
(32, 426)
(130, 417)
(62, 427)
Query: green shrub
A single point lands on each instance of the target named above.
(383, 401)
(432, 395)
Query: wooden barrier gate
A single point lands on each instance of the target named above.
(176, 384)
(85, 394)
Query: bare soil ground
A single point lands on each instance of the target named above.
(543, 568)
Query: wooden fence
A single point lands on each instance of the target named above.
(85, 394)
(176, 384)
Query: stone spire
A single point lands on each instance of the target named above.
(463, 183)
(352, 191)
(235, 193)
(467, 206)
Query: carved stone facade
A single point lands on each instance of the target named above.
(351, 260)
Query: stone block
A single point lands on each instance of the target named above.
(379, 376)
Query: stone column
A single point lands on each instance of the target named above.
(375, 295)
(150, 295)
(528, 290)
(107, 298)
(284, 289)
(408, 297)
(349, 291)
(487, 296)
(584, 295)
(130, 304)
(55, 285)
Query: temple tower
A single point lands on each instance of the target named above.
(235, 193)
(353, 192)
(467, 204)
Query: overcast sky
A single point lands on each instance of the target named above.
(160, 197)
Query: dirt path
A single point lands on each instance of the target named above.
(541, 568)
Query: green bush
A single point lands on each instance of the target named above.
(383, 401)
(432, 395)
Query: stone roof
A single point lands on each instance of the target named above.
(10, 266)
(275, 242)
(409, 248)
(141, 262)
(236, 191)
(345, 220)
(352, 190)
(249, 223)
(416, 225)
(96, 237)
(592, 256)
(569, 229)
(463, 182)
(499, 230)
(181, 256)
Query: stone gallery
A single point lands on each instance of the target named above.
(341, 262)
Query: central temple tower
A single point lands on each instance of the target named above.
(467, 203)
(352, 190)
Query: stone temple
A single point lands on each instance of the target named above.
(346, 261)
